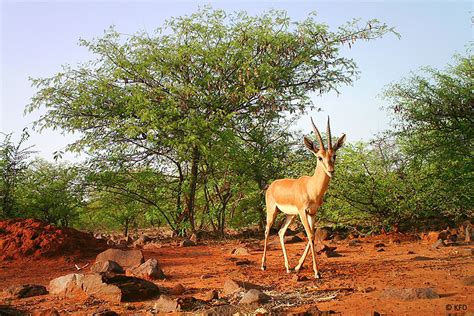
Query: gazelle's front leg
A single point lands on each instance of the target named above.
(309, 232)
(289, 219)
(311, 221)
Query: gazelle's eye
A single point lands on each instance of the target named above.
(334, 157)
(320, 158)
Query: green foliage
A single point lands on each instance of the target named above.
(51, 192)
(13, 164)
(434, 118)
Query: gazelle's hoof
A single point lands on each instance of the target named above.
(288, 271)
(317, 275)
(263, 268)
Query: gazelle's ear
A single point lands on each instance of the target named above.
(310, 145)
(340, 142)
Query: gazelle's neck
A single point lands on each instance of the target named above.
(319, 181)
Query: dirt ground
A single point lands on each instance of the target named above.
(351, 284)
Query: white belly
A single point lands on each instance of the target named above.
(288, 209)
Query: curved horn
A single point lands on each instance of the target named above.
(318, 135)
(328, 132)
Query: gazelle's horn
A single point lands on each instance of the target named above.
(328, 132)
(318, 135)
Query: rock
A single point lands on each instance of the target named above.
(302, 236)
(320, 248)
(77, 285)
(437, 244)
(444, 235)
(133, 289)
(421, 258)
(151, 246)
(178, 289)
(232, 286)
(206, 276)
(353, 243)
(167, 305)
(380, 250)
(331, 254)
(337, 237)
(410, 253)
(254, 296)
(469, 281)
(293, 239)
(243, 262)
(93, 284)
(409, 294)
(187, 243)
(141, 241)
(466, 251)
(321, 234)
(106, 267)
(65, 285)
(125, 258)
(379, 245)
(148, 270)
(110, 243)
(261, 311)
(105, 312)
(210, 295)
(194, 238)
(26, 290)
(299, 278)
(241, 251)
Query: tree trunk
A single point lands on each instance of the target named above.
(192, 188)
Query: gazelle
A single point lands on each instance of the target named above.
(302, 196)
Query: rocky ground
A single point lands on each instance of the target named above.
(382, 275)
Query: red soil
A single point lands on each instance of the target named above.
(33, 239)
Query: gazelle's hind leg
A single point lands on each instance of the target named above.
(271, 215)
(289, 219)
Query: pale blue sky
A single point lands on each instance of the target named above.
(37, 37)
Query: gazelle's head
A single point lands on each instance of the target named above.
(326, 157)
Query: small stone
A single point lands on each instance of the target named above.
(241, 251)
(293, 239)
(379, 245)
(410, 252)
(353, 243)
(243, 262)
(187, 243)
(254, 296)
(167, 305)
(380, 250)
(194, 238)
(321, 234)
(106, 267)
(210, 295)
(469, 281)
(337, 237)
(261, 311)
(421, 258)
(141, 241)
(409, 294)
(106, 312)
(26, 290)
(331, 254)
(230, 287)
(151, 246)
(299, 278)
(206, 276)
(437, 244)
(148, 270)
(178, 289)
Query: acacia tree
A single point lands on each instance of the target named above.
(158, 99)
(434, 115)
